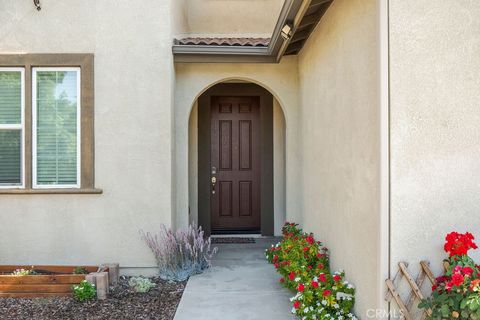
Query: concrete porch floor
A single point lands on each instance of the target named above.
(240, 285)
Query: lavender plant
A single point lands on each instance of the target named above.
(180, 253)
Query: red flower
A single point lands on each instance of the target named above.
(310, 240)
(310, 267)
(275, 265)
(296, 304)
(306, 249)
(282, 280)
(457, 279)
(315, 284)
(275, 258)
(320, 266)
(326, 293)
(434, 287)
(301, 287)
(337, 278)
(458, 244)
(291, 276)
(322, 277)
(467, 271)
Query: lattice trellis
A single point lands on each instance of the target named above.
(406, 307)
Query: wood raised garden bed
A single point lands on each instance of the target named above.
(46, 282)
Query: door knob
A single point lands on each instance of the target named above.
(214, 181)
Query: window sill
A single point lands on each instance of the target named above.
(51, 191)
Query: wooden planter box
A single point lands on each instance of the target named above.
(51, 281)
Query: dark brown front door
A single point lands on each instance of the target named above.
(235, 164)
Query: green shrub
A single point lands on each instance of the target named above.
(84, 291)
(80, 270)
(304, 265)
(140, 284)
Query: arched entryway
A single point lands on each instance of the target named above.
(237, 160)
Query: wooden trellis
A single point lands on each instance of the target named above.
(407, 306)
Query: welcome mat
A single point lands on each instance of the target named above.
(225, 240)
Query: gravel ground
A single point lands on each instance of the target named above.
(122, 303)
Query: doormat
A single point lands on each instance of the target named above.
(225, 240)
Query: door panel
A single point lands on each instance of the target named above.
(235, 163)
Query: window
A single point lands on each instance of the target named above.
(11, 127)
(46, 123)
(56, 127)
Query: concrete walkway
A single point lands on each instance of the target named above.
(240, 285)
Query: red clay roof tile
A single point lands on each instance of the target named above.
(239, 42)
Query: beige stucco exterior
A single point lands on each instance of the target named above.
(133, 133)
(238, 18)
(435, 133)
(337, 106)
(339, 121)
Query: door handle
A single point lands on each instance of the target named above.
(214, 181)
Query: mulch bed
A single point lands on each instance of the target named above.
(226, 240)
(123, 303)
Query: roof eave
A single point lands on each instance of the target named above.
(270, 54)
(210, 54)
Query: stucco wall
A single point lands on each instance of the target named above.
(339, 125)
(435, 132)
(133, 95)
(193, 79)
(279, 179)
(179, 17)
(233, 17)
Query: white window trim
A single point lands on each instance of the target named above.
(20, 126)
(34, 129)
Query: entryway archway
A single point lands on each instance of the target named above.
(237, 160)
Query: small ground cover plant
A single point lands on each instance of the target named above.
(303, 263)
(24, 272)
(456, 295)
(80, 270)
(140, 284)
(182, 253)
(84, 291)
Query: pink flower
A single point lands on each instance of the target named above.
(457, 269)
